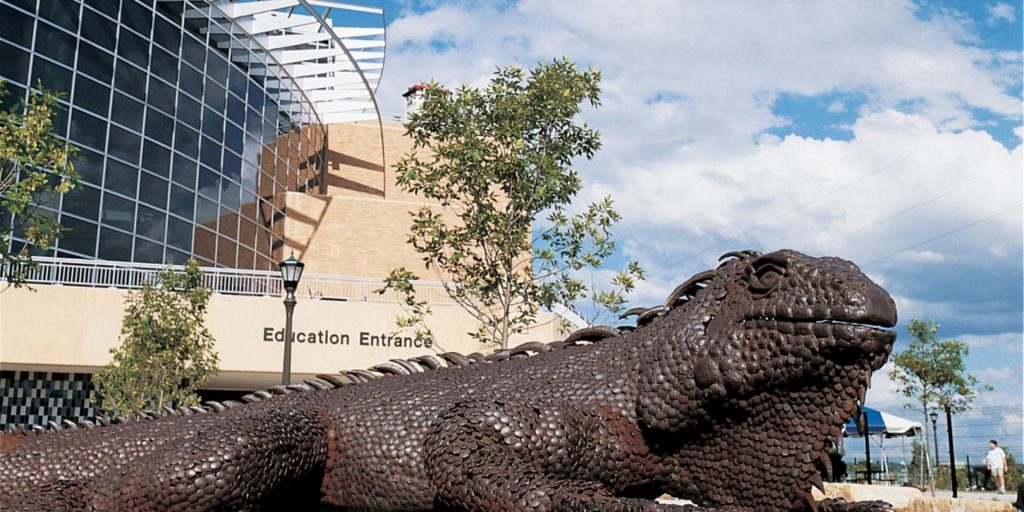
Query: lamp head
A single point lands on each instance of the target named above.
(291, 273)
(935, 417)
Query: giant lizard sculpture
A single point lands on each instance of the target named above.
(728, 395)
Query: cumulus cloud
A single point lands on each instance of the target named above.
(1001, 12)
(686, 117)
(1011, 341)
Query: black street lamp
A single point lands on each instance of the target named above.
(952, 466)
(291, 272)
(935, 419)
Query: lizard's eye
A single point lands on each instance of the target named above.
(766, 274)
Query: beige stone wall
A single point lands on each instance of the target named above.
(345, 335)
(360, 226)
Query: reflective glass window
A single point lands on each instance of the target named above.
(64, 13)
(78, 236)
(131, 81)
(232, 166)
(226, 252)
(236, 110)
(53, 76)
(184, 171)
(206, 212)
(54, 43)
(193, 51)
(189, 110)
(121, 178)
(89, 165)
(153, 190)
(253, 122)
(98, 29)
(158, 126)
(166, 35)
(228, 223)
(182, 202)
(127, 111)
(246, 257)
(213, 96)
(191, 81)
(83, 201)
(179, 234)
(209, 154)
(237, 82)
(230, 194)
(156, 158)
(118, 212)
(165, 65)
(108, 7)
(161, 96)
(136, 17)
(133, 48)
(15, 93)
(249, 174)
(115, 245)
(204, 244)
(209, 183)
(173, 257)
(233, 138)
(146, 251)
(255, 96)
(251, 150)
(150, 223)
(213, 124)
(14, 65)
(17, 27)
(124, 145)
(95, 62)
(92, 96)
(216, 66)
(87, 129)
(186, 140)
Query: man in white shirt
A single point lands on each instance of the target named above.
(996, 462)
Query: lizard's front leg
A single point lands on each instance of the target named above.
(512, 456)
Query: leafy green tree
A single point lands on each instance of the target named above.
(933, 372)
(496, 158)
(166, 352)
(35, 167)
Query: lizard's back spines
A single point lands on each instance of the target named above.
(420, 364)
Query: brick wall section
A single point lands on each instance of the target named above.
(361, 225)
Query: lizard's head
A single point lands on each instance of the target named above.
(781, 315)
(764, 345)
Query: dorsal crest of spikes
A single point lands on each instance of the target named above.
(430, 362)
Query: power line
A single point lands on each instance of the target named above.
(834, 191)
(914, 207)
(943, 235)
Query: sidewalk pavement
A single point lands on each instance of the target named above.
(976, 495)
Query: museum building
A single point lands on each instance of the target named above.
(235, 133)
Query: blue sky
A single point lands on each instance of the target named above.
(888, 133)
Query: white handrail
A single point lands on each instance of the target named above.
(129, 275)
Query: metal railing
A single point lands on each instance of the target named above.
(128, 275)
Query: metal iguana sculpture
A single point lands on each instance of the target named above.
(727, 395)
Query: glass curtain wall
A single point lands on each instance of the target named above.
(184, 153)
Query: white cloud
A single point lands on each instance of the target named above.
(884, 393)
(1013, 341)
(1001, 12)
(700, 175)
(836, 107)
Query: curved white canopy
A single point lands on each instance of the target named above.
(295, 47)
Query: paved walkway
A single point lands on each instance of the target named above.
(976, 495)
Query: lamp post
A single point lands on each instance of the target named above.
(291, 272)
(952, 466)
(935, 436)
